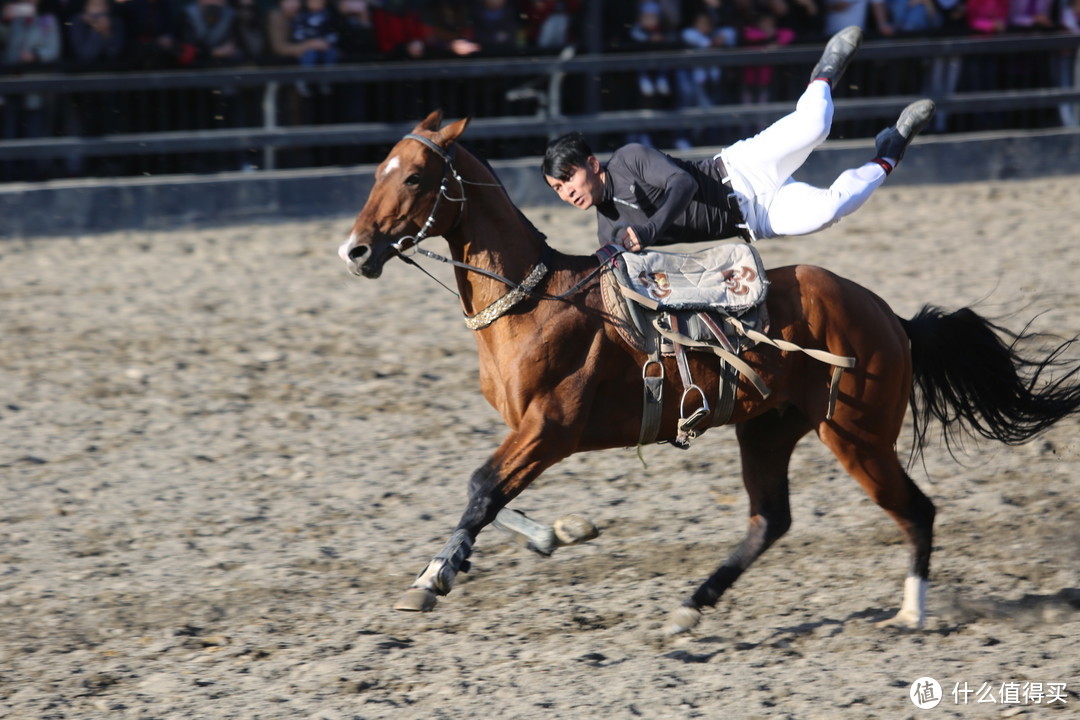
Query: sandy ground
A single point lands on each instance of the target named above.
(224, 459)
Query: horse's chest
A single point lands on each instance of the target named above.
(510, 378)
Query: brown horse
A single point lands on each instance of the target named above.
(554, 366)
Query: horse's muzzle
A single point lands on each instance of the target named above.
(360, 259)
(370, 270)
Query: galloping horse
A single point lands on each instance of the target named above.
(554, 366)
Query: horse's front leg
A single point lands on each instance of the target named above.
(521, 458)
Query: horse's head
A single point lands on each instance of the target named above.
(403, 207)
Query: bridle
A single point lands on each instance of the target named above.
(518, 291)
(448, 161)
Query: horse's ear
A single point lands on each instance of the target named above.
(449, 134)
(431, 122)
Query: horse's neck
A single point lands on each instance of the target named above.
(493, 235)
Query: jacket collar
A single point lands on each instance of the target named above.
(609, 186)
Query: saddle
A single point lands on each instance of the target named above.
(668, 304)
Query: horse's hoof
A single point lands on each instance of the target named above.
(416, 600)
(574, 529)
(682, 620)
(904, 620)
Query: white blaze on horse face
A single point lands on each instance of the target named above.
(391, 165)
(346, 247)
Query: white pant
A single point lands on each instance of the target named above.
(760, 168)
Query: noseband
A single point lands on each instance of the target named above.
(448, 159)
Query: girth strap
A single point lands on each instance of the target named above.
(820, 355)
(725, 403)
(731, 358)
(839, 362)
(653, 398)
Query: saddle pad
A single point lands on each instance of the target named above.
(634, 322)
(627, 318)
(727, 277)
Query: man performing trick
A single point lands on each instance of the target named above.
(644, 197)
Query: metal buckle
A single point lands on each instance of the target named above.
(405, 251)
(645, 373)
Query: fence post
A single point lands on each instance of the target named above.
(555, 82)
(269, 109)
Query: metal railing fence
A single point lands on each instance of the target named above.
(62, 125)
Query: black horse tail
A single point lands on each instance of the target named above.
(975, 377)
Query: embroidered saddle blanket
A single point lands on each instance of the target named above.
(729, 278)
(725, 280)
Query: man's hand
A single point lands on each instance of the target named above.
(629, 239)
(99, 22)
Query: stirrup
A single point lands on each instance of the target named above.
(688, 428)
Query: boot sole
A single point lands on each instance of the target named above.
(915, 117)
(839, 51)
(843, 40)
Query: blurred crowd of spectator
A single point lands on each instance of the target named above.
(81, 35)
(115, 35)
(160, 34)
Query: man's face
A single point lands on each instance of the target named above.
(583, 189)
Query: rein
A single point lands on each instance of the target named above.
(518, 291)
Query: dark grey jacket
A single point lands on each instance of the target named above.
(664, 199)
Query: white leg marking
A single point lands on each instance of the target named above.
(912, 613)
(683, 619)
(433, 578)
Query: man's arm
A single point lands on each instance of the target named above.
(881, 17)
(652, 168)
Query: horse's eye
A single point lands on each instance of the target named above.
(413, 179)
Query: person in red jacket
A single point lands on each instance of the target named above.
(400, 30)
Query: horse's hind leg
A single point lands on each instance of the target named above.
(766, 443)
(543, 539)
(879, 472)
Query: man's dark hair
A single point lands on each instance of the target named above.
(565, 155)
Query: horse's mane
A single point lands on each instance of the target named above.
(483, 161)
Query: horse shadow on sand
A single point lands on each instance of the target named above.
(1026, 612)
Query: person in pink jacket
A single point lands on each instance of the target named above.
(988, 17)
(985, 17)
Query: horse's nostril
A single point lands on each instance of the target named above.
(358, 252)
